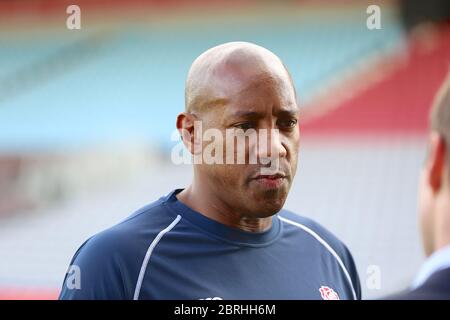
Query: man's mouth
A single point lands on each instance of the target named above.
(272, 181)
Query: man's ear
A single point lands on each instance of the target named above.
(436, 161)
(186, 126)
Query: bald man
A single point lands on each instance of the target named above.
(225, 236)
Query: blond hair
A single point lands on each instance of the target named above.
(440, 112)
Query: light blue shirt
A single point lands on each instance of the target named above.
(439, 260)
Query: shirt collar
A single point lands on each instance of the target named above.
(223, 232)
(437, 261)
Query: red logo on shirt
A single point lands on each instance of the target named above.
(328, 294)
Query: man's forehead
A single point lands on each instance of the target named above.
(262, 81)
(251, 99)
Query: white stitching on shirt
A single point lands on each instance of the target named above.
(327, 246)
(149, 253)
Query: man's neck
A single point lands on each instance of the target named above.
(214, 208)
(442, 221)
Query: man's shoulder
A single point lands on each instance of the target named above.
(436, 287)
(131, 234)
(328, 242)
(313, 228)
(116, 253)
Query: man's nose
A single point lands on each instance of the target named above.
(270, 144)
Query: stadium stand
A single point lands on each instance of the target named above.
(364, 93)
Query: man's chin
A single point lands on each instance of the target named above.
(268, 206)
(275, 195)
(261, 202)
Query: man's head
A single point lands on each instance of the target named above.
(234, 86)
(434, 191)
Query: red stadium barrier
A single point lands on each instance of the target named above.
(17, 293)
(45, 8)
(399, 103)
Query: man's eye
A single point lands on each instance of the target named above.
(245, 126)
(291, 123)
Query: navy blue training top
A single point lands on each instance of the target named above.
(166, 250)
